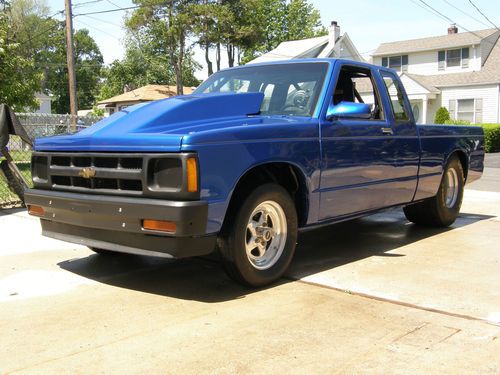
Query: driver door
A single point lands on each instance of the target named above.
(357, 154)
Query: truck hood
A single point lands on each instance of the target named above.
(160, 125)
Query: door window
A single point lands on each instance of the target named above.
(395, 92)
(356, 85)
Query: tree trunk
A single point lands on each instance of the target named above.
(230, 54)
(180, 63)
(207, 59)
(239, 56)
(217, 56)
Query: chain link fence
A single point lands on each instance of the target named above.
(37, 125)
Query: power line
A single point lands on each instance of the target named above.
(102, 21)
(484, 15)
(40, 34)
(441, 15)
(86, 3)
(465, 13)
(109, 1)
(96, 28)
(108, 11)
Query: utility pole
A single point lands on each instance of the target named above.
(71, 64)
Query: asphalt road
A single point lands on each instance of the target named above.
(490, 181)
(375, 295)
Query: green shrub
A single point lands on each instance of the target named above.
(491, 137)
(442, 115)
(457, 122)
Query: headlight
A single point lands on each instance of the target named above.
(174, 174)
(165, 174)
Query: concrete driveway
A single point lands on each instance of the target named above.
(374, 295)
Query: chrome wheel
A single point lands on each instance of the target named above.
(266, 234)
(451, 188)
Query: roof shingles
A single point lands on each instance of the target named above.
(433, 43)
(146, 94)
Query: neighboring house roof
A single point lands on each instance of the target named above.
(146, 93)
(292, 49)
(489, 74)
(434, 43)
(423, 81)
(331, 45)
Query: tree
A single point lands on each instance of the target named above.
(19, 81)
(165, 26)
(442, 115)
(42, 39)
(141, 67)
(281, 21)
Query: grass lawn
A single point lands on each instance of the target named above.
(6, 196)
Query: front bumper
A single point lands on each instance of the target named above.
(115, 223)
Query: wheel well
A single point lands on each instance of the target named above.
(462, 157)
(284, 174)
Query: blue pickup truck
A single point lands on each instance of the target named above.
(254, 155)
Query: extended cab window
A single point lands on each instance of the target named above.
(395, 92)
(289, 89)
(355, 84)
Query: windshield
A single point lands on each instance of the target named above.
(289, 89)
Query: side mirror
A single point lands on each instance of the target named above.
(348, 110)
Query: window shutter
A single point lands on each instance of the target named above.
(452, 108)
(478, 118)
(441, 60)
(404, 63)
(385, 62)
(465, 57)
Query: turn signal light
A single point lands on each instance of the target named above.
(159, 225)
(192, 175)
(36, 210)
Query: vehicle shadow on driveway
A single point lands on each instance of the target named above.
(203, 279)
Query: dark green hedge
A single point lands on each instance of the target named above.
(491, 137)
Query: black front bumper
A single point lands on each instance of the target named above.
(115, 223)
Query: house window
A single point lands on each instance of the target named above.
(398, 63)
(453, 58)
(467, 110)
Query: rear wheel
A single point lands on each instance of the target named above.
(258, 242)
(443, 209)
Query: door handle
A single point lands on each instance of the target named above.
(387, 131)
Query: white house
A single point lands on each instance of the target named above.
(459, 71)
(45, 103)
(332, 45)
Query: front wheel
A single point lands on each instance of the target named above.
(258, 242)
(443, 209)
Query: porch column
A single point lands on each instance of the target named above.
(424, 110)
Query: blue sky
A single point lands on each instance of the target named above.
(368, 22)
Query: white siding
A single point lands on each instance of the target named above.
(488, 93)
(426, 63)
(432, 107)
(45, 106)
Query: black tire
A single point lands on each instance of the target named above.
(234, 237)
(434, 211)
(13, 183)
